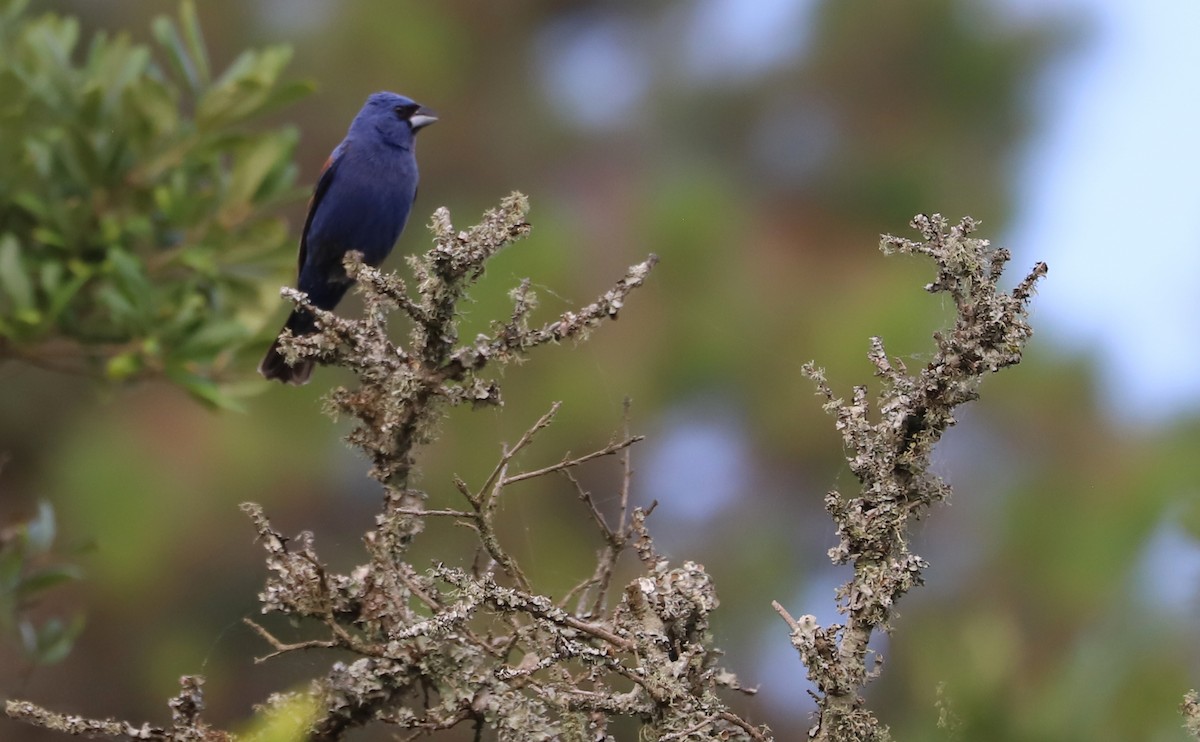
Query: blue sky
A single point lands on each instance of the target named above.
(1109, 196)
(1107, 189)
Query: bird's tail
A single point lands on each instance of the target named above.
(275, 366)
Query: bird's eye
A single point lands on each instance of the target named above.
(406, 111)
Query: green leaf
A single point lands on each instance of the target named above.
(122, 313)
(55, 40)
(51, 642)
(158, 105)
(46, 578)
(120, 70)
(11, 561)
(195, 39)
(246, 89)
(13, 278)
(283, 722)
(123, 365)
(39, 532)
(205, 390)
(49, 237)
(84, 149)
(62, 293)
(32, 203)
(131, 295)
(177, 56)
(212, 337)
(13, 93)
(255, 162)
(10, 9)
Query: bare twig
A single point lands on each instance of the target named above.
(568, 463)
(283, 648)
(497, 475)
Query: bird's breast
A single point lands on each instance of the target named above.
(365, 209)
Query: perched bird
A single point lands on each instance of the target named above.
(361, 202)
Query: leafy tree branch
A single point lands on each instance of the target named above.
(135, 226)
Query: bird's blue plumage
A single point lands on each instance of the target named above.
(361, 202)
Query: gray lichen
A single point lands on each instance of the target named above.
(433, 648)
(889, 442)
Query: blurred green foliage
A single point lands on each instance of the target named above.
(28, 570)
(1035, 617)
(285, 722)
(135, 234)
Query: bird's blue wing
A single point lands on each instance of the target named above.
(328, 172)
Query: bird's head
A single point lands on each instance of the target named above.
(394, 117)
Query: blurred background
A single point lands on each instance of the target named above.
(759, 148)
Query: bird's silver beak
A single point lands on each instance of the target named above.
(421, 118)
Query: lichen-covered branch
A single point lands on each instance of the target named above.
(1191, 713)
(186, 725)
(889, 441)
(432, 648)
(493, 650)
(488, 644)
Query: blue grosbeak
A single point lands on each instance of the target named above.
(361, 202)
